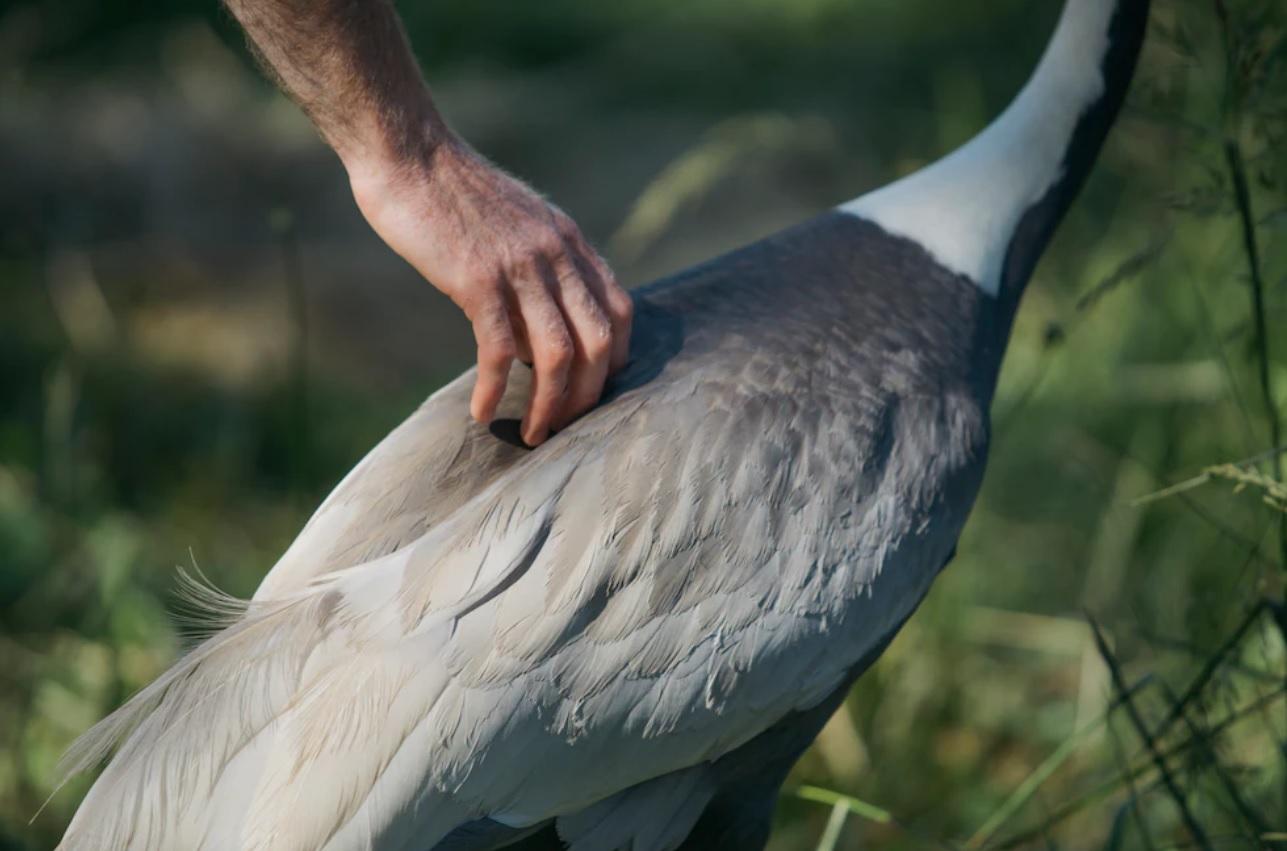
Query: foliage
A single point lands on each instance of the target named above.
(163, 403)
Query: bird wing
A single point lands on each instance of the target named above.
(420, 472)
(654, 588)
(439, 458)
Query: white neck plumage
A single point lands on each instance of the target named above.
(967, 208)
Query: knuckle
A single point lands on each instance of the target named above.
(523, 263)
(545, 245)
(620, 305)
(559, 352)
(598, 345)
(523, 256)
(498, 352)
(569, 282)
(602, 267)
(506, 350)
(482, 297)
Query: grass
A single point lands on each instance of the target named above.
(157, 411)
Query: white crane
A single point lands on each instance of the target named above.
(624, 639)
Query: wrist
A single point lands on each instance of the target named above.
(400, 150)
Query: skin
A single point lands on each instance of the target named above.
(529, 282)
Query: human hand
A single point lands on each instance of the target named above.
(519, 268)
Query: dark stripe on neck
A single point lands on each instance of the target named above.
(1125, 35)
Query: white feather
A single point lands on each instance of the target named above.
(964, 208)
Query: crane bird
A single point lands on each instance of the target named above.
(624, 638)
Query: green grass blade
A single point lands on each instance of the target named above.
(860, 808)
(835, 824)
(1025, 790)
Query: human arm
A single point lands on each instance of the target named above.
(519, 268)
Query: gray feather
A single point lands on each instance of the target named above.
(467, 630)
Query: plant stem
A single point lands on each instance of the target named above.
(1242, 195)
(1150, 742)
(1103, 790)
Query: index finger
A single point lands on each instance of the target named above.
(493, 332)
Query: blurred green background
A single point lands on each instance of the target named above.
(199, 336)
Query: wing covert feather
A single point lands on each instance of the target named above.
(470, 630)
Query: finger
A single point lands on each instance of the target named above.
(496, 351)
(613, 300)
(522, 346)
(591, 340)
(552, 353)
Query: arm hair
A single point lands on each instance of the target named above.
(349, 66)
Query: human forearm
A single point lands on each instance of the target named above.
(348, 65)
(519, 268)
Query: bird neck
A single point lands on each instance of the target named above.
(987, 210)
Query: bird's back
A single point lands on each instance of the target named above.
(834, 312)
(470, 630)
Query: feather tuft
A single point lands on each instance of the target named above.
(202, 608)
